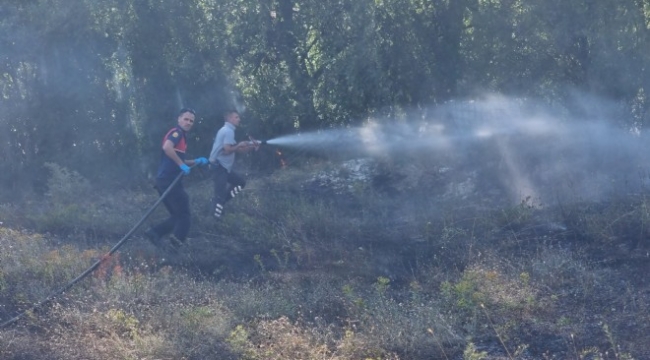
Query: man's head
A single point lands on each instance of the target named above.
(232, 116)
(186, 118)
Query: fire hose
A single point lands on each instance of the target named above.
(97, 263)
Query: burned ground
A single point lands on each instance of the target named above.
(325, 261)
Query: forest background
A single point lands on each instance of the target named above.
(92, 85)
(88, 88)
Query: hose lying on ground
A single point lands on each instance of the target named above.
(94, 266)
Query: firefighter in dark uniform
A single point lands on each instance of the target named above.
(177, 202)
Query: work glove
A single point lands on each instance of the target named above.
(185, 169)
(201, 161)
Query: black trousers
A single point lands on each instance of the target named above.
(224, 183)
(177, 203)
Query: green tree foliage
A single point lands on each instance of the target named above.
(540, 48)
(94, 85)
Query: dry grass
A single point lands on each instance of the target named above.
(361, 276)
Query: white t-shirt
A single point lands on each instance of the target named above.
(225, 135)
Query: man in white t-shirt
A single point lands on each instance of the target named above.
(227, 183)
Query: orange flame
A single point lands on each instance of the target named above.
(283, 163)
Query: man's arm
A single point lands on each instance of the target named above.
(168, 149)
(242, 146)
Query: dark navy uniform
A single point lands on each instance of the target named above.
(177, 201)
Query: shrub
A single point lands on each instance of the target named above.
(32, 266)
(66, 186)
(282, 339)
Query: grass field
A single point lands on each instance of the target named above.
(298, 270)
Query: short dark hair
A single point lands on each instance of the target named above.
(230, 111)
(186, 109)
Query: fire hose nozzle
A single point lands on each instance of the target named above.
(254, 141)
